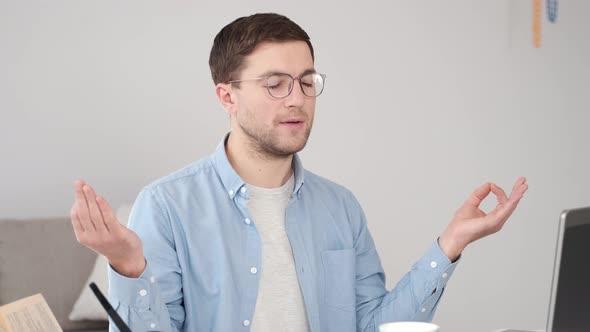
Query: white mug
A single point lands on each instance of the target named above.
(408, 327)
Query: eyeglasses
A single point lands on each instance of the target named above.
(280, 85)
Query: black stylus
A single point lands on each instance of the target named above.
(110, 311)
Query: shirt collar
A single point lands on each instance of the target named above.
(233, 183)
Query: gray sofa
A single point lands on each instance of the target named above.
(43, 256)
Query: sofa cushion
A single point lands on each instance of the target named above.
(43, 256)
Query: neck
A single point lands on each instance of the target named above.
(255, 167)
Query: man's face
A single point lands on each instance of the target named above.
(274, 127)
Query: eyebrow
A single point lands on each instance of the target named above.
(273, 72)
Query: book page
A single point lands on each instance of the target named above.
(31, 314)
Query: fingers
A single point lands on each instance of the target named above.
(95, 214)
(520, 187)
(78, 229)
(500, 194)
(505, 210)
(81, 207)
(479, 195)
(109, 217)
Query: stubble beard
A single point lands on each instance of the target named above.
(267, 144)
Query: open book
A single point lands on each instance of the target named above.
(31, 314)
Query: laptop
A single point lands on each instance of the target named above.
(569, 305)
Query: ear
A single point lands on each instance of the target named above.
(226, 97)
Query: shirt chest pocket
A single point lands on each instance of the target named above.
(339, 278)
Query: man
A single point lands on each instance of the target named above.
(247, 239)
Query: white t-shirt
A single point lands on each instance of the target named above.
(279, 305)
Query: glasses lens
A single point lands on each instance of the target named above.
(312, 84)
(278, 85)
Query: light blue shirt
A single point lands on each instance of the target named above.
(203, 253)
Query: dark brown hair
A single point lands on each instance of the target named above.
(239, 38)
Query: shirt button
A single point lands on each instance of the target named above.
(433, 264)
(243, 190)
(445, 275)
(143, 292)
(152, 326)
(152, 279)
(423, 310)
(253, 270)
(231, 192)
(246, 322)
(247, 221)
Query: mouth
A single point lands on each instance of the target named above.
(293, 123)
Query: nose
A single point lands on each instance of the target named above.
(296, 98)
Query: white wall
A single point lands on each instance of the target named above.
(425, 100)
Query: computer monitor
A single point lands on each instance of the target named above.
(569, 305)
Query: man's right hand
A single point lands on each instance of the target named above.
(97, 228)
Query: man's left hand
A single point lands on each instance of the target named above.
(470, 223)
